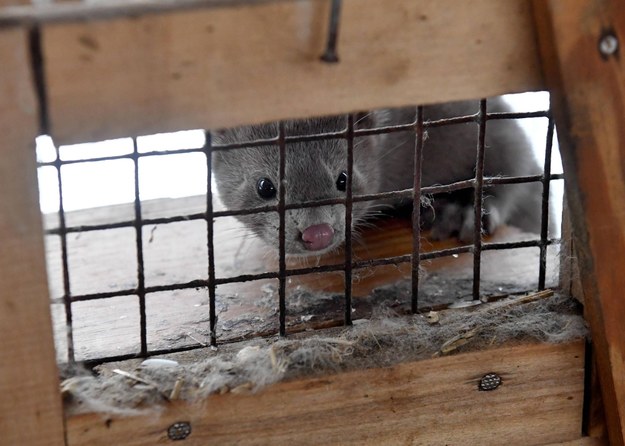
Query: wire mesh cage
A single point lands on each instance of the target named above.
(110, 263)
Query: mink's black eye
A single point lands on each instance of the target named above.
(265, 189)
(341, 181)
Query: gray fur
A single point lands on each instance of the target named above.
(381, 163)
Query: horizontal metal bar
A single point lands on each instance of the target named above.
(202, 283)
(517, 245)
(90, 363)
(406, 193)
(517, 115)
(127, 224)
(304, 138)
(76, 11)
(128, 156)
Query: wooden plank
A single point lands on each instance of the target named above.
(30, 407)
(228, 66)
(431, 402)
(589, 103)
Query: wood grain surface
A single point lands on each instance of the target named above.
(176, 253)
(589, 104)
(431, 402)
(30, 406)
(221, 67)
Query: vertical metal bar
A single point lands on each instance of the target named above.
(544, 223)
(37, 62)
(210, 235)
(138, 224)
(67, 292)
(39, 78)
(478, 199)
(330, 55)
(416, 208)
(282, 229)
(348, 220)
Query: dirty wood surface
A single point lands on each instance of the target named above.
(433, 402)
(177, 253)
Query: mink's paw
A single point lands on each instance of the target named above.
(491, 220)
(447, 221)
(456, 220)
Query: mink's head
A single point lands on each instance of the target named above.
(314, 170)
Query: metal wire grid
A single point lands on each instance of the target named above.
(419, 126)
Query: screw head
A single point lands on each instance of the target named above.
(179, 430)
(490, 381)
(608, 44)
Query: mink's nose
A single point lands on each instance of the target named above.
(318, 237)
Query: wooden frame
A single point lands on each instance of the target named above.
(396, 405)
(30, 403)
(588, 89)
(193, 69)
(170, 74)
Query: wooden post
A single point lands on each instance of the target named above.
(581, 45)
(30, 404)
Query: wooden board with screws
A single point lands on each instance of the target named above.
(434, 402)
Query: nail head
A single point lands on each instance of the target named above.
(608, 44)
(490, 381)
(179, 431)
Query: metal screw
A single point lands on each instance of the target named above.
(179, 430)
(608, 44)
(490, 381)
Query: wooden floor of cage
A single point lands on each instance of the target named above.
(105, 261)
(382, 401)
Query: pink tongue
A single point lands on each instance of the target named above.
(317, 237)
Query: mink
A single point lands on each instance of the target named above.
(317, 170)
